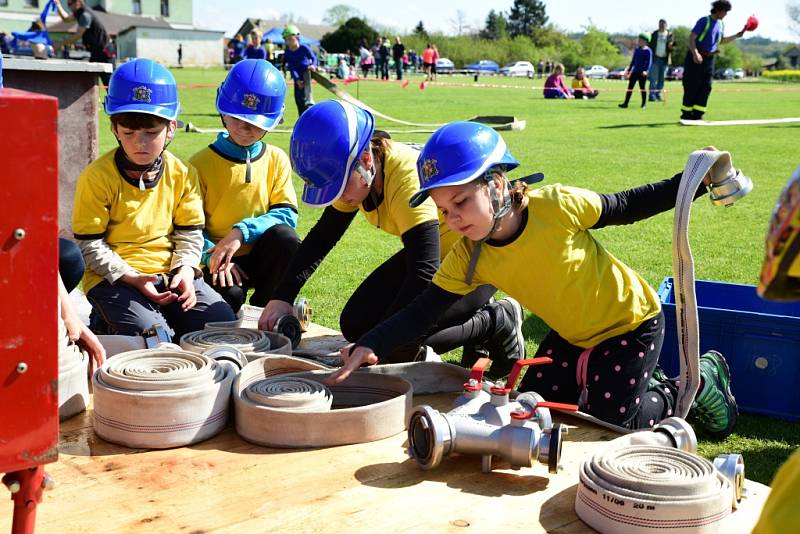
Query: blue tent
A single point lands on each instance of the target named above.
(275, 35)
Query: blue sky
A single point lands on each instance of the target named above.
(630, 16)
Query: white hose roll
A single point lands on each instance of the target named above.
(290, 393)
(157, 399)
(367, 408)
(246, 340)
(73, 376)
(648, 489)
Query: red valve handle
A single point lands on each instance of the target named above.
(521, 415)
(476, 373)
(517, 369)
(558, 406)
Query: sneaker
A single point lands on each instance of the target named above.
(622, 105)
(686, 115)
(714, 405)
(505, 344)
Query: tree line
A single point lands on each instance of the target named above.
(523, 33)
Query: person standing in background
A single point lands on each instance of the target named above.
(254, 50)
(237, 48)
(698, 68)
(269, 46)
(299, 60)
(661, 43)
(180, 54)
(91, 33)
(398, 51)
(638, 69)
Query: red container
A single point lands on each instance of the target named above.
(28, 283)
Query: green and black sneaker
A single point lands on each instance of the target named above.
(714, 405)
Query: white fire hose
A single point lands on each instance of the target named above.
(160, 398)
(73, 380)
(650, 481)
(295, 411)
(247, 340)
(727, 186)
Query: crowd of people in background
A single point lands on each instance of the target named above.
(386, 58)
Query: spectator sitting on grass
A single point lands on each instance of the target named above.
(554, 86)
(581, 87)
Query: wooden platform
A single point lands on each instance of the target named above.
(228, 485)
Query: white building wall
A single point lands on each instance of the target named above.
(200, 48)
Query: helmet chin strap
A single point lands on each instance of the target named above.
(500, 211)
(151, 167)
(368, 175)
(247, 172)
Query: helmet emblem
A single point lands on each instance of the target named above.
(429, 169)
(250, 101)
(142, 94)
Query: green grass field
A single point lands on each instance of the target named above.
(588, 143)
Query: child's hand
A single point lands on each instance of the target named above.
(183, 281)
(229, 275)
(145, 284)
(89, 342)
(274, 310)
(353, 356)
(301, 84)
(222, 253)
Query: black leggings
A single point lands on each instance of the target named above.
(374, 300)
(264, 266)
(636, 77)
(618, 376)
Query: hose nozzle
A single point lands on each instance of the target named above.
(727, 183)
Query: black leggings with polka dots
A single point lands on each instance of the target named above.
(619, 385)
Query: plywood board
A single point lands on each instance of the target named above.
(228, 485)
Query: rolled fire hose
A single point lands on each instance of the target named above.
(649, 481)
(156, 398)
(368, 407)
(246, 340)
(73, 380)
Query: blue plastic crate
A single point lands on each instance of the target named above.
(759, 339)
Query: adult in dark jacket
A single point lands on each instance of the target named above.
(398, 50)
(661, 43)
(90, 31)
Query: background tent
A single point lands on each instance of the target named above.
(276, 37)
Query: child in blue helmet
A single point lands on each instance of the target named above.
(249, 201)
(348, 168)
(536, 245)
(138, 216)
(299, 60)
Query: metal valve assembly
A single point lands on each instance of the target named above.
(485, 421)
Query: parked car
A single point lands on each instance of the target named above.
(738, 74)
(519, 68)
(724, 74)
(444, 66)
(674, 73)
(617, 74)
(484, 66)
(596, 71)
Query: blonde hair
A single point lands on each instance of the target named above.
(559, 67)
